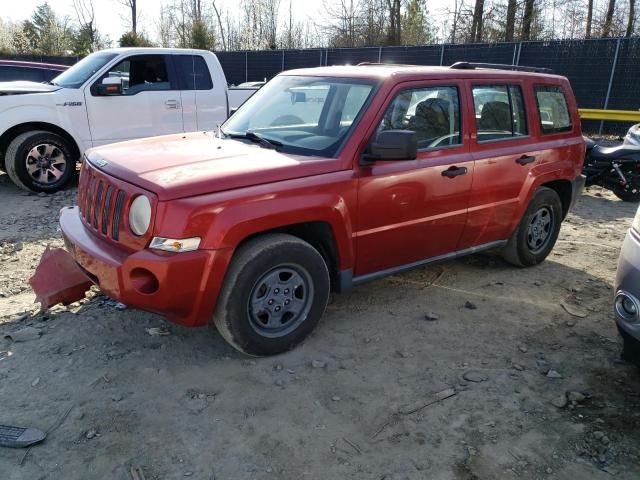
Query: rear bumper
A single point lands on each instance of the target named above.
(577, 185)
(181, 286)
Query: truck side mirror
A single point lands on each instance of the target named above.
(392, 145)
(110, 86)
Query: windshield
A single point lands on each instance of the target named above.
(83, 70)
(306, 115)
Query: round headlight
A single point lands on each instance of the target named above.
(140, 215)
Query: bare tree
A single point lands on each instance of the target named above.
(608, 19)
(476, 25)
(219, 17)
(527, 19)
(394, 35)
(511, 21)
(589, 18)
(458, 6)
(132, 5)
(632, 15)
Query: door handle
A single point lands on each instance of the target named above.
(454, 171)
(524, 159)
(172, 104)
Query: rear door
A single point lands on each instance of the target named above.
(504, 152)
(412, 210)
(204, 105)
(149, 105)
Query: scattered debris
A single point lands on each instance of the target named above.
(90, 434)
(137, 473)
(523, 348)
(318, 364)
(475, 376)
(560, 401)
(24, 334)
(431, 316)
(574, 310)
(35, 382)
(470, 305)
(158, 332)
(576, 397)
(336, 398)
(553, 374)
(20, 437)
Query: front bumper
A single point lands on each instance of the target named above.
(628, 282)
(181, 286)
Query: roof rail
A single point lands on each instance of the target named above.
(498, 66)
(373, 64)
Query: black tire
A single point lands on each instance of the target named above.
(628, 193)
(258, 331)
(526, 248)
(18, 159)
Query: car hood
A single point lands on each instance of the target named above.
(184, 165)
(24, 87)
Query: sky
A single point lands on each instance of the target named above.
(112, 17)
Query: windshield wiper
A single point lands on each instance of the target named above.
(257, 138)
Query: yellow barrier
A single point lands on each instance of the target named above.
(614, 115)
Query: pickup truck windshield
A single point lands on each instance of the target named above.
(83, 70)
(302, 115)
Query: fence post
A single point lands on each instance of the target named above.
(379, 54)
(320, 57)
(282, 60)
(519, 51)
(246, 66)
(441, 53)
(613, 71)
(515, 51)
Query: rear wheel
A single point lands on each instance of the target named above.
(538, 230)
(40, 161)
(630, 192)
(274, 293)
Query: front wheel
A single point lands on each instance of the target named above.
(538, 230)
(40, 161)
(274, 293)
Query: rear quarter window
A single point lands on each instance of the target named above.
(553, 111)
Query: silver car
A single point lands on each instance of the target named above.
(627, 296)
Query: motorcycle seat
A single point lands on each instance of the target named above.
(619, 152)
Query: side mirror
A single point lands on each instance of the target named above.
(110, 86)
(392, 145)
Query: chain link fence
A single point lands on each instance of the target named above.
(604, 73)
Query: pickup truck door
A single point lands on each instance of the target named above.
(204, 102)
(413, 210)
(149, 104)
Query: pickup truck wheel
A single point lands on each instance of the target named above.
(538, 230)
(274, 293)
(40, 161)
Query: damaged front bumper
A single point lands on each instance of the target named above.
(181, 286)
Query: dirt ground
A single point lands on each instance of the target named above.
(378, 391)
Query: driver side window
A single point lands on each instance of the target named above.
(432, 112)
(141, 74)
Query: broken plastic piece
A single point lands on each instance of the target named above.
(20, 437)
(58, 279)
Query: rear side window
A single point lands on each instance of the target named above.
(193, 73)
(499, 112)
(553, 110)
(432, 112)
(9, 73)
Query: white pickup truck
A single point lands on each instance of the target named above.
(110, 96)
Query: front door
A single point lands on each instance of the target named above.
(412, 210)
(149, 105)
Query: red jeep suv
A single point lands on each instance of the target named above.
(325, 179)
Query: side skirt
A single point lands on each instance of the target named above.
(347, 281)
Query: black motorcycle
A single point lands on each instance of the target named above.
(614, 168)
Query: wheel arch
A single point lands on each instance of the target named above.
(7, 137)
(564, 189)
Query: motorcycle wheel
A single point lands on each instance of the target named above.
(629, 192)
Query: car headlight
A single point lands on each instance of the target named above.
(636, 221)
(140, 215)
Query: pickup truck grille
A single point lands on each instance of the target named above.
(101, 202)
